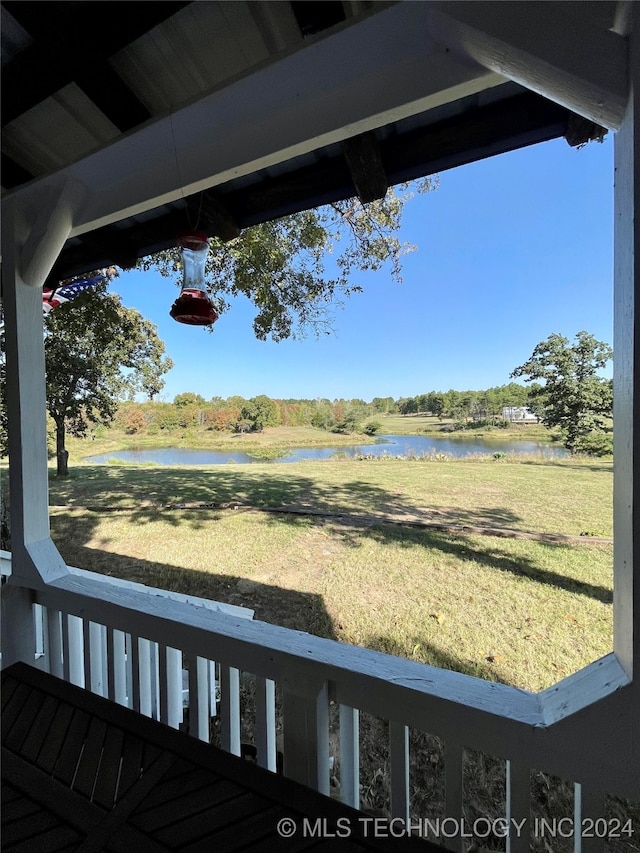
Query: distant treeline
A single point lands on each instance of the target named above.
(464, 405)
(237, 414)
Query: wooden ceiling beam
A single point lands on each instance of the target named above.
(503, 126)
(462, 138)
(56, 58)
(364, 160)
(269, 117)
(553, 49)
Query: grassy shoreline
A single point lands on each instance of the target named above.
(274, 441)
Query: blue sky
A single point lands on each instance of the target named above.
(509, 250)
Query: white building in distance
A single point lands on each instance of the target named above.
(519, 415)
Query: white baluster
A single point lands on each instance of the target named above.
(399, 748)
(73, 649)
(116, 666)
(54, 636)
(266, 722)
(170, 677)
(230, 708)
(38, 623)
(95, 658)
(518, 807)
(145, 677)
(199, 698)
(350, 756)
(590, 828)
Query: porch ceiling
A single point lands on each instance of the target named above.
(77, 77)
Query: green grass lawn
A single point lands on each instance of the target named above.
(523, 612)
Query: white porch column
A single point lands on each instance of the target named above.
(626, 598)
(31, 242)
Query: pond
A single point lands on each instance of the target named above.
(390, 445)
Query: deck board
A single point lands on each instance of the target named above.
(8, 690)
(39, 730)
(50, 750)
(169, 789)
(107, 783)
(71, 748)
(215, 794)
(89, 762)
(20, 722)
(81, 773)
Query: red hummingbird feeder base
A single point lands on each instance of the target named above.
(194, 308)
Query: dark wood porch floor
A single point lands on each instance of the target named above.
(80, 773)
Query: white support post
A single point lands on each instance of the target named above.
(266, 723)
(350, 756)
(29, 250)
(626, 411)
(230, 708)
(306, 737)
(18, 630)
(399, 748)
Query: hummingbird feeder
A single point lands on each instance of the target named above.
(193, 306)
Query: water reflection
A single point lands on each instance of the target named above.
(391, 445)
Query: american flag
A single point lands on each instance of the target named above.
(53, 297)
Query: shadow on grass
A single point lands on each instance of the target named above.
(144, 492)
(598, 467)
(464, 548)
(288, 608)
(148, 492)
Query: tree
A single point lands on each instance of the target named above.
(188, 398)
(280, 265)
(97, 352)
(260, 412)
(573, 397)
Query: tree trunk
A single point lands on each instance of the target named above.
(62, 454)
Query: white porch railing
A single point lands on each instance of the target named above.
(132, 644)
